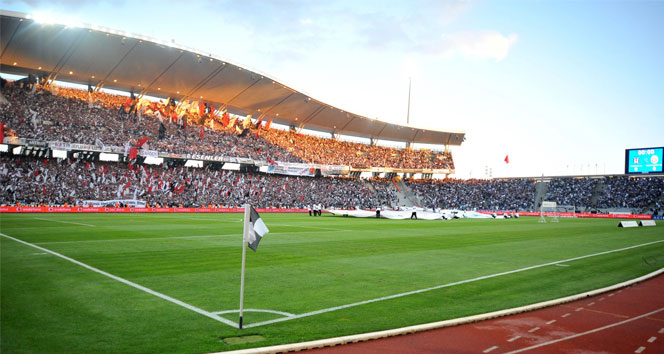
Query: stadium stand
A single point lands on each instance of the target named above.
(34, 181)
(78, 116)
(72, 115)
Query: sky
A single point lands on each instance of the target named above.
(561, 87)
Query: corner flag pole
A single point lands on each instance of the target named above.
(247, 216)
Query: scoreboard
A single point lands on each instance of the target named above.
(640, 161)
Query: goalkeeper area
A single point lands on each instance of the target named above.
(169, 283)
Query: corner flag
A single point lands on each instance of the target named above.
(255, 230)
(507, 158)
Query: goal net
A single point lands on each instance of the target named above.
(550, 210)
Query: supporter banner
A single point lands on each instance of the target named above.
(103, 203)
(570, 215)
(139, 210)
(34, 142)
(149, 153)
(72, 146)
(14, 140)
(309, 171)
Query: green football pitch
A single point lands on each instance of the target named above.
(170, 283)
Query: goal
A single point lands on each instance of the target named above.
(549, 209)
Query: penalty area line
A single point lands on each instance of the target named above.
(127, 282)
(389, 297)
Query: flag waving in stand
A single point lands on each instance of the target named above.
(254, 230)
(507, 158)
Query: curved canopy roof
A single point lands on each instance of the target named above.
(88, 54)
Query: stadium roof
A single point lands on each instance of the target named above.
(88, 54)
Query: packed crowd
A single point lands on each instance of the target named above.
(97, 118)
(636, 193)
(321, 150)
(510, 194)
(33, 181)
(76, 116)
(576, 192)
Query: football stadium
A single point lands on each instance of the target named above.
(156, 198)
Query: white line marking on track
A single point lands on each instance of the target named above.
(125, 281)
(490, 349)
(579, 309)
(341, 307)
(661, 331)
(611, 294)
(533, 330)
(640, 349)
(652, 339)
(65, 222)
(592, 303)
(565, 315)
(513, 338)
(587, 332)
(551, 322)
(601, 299)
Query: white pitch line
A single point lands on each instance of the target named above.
(413, 292)
(65, 222)
(176, 237)
(587, 332)
(132, 284)
(562, 265)
(287, 314)
(138, 239)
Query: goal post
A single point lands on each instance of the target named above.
(549, 209)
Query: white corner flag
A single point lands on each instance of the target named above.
(255, 229)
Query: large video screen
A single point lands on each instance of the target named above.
(648, 160)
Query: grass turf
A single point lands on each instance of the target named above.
(304, 264)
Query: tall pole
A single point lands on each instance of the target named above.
(408, 114)
(247, 216)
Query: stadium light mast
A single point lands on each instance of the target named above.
(408, 112)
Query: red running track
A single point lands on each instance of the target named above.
(630, 320)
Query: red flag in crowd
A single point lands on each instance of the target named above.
(259, 121)
(507, 159)
(202, 133)
(141, 141)
(267, 125)
(225, 119)
(133, 152)
(87, 165)
(2, 131)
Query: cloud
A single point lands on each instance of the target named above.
(474, 44)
